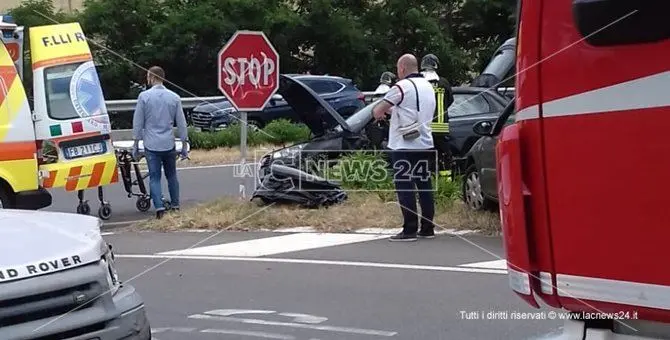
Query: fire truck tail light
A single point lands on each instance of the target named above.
(546, 283)
(519, 281)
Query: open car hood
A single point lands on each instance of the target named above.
(312, 109)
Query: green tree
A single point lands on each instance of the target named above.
(184, 37)
(358, 39)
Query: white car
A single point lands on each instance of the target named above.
(58, 281)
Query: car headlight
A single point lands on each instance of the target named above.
(291, 152)
(112, 274)
(221, 112)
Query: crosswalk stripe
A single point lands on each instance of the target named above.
(496, 264)
(276, 245)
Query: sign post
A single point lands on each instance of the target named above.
(248, 75)
(243, 153)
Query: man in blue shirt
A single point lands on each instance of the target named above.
(157, 110)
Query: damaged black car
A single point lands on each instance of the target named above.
(333, 136)
(285, 174)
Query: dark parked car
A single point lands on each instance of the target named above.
(480, 189)
(471, 104)
(340, 93)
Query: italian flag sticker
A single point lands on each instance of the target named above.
(55, 130)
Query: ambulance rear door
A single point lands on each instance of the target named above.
(70, 117)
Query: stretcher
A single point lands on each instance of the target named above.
(131, 176)
(128, 165)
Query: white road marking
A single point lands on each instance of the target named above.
(263, 335)
(197, 167)
(378, 231)
(296, 230)
(457, 232)
(123, 222)
(295, 325)
(276, 245)
(214, 166)
(496, 264)
(297, 317)
(172, 329)
(231, 312)
(305, 318)
(321, 262)
(106, 234)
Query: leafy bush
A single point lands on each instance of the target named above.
(276, 132)
(284, 131)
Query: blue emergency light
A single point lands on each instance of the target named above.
(6, 18)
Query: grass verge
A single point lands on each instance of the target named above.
(219, 156)
(362, 210)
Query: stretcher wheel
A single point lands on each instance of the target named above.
(83, 209)
(143, 204)
(105, 211)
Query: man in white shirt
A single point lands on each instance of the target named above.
(411, 104)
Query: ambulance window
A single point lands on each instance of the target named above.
(621, 22)
(57, 89)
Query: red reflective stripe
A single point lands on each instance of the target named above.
(115, 176)
(98, 170)
(49, 182)
(73, 178)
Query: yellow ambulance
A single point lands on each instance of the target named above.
(64, 141)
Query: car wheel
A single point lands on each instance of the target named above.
(473, 195)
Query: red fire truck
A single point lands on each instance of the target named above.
(582, 168)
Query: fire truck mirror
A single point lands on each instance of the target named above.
(621, 22)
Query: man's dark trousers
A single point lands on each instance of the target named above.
(411, 171)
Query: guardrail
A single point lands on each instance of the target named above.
(125, 105)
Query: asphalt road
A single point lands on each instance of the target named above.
(197, 185)
(363, 287)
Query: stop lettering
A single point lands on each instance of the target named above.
(243, 70)
(248, 70)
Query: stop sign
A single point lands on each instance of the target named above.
(248, 70)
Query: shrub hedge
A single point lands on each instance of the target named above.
(276, 132)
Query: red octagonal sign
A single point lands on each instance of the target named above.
(248, 70)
